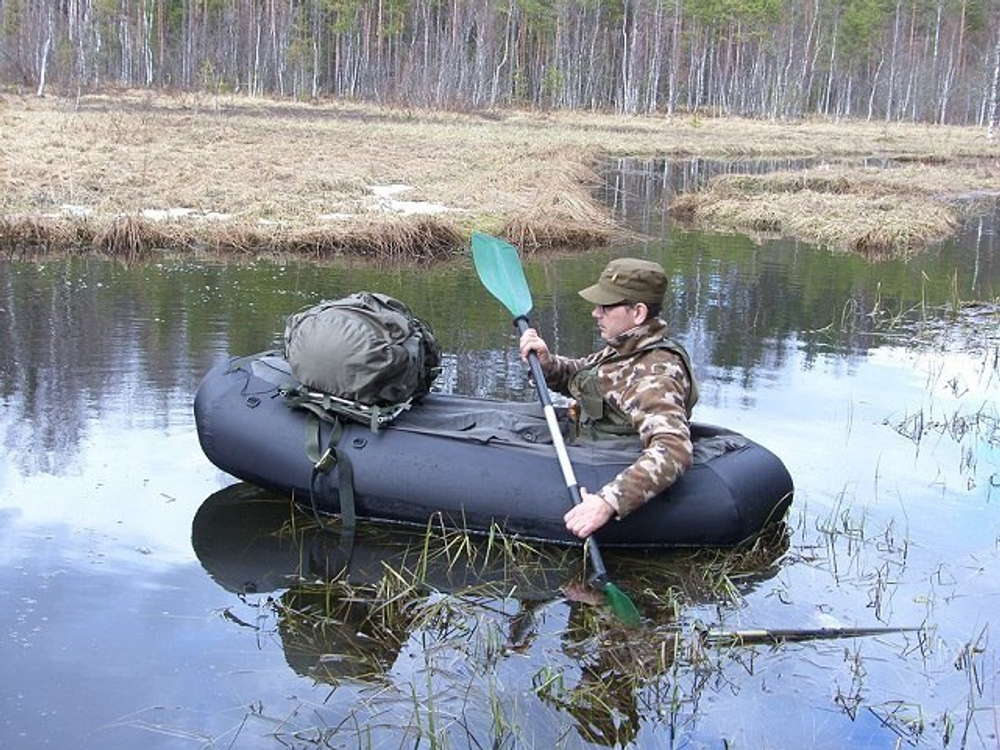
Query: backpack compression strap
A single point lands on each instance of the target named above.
(324, 462)
(328, 407)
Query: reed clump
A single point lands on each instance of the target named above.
(394, 240)
(558, 214)
(39, 235)
(878, 213)
(131, 239)
(134, 239)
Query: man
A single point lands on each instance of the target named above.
(641, 383)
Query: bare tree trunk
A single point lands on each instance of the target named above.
(495, 84)
(675, 59)
(846, 112)
(992, 113)
(828, 94)
(146, 16)
(43, 57)
(891, 88)
(626, 66)
(161, 39)
(874, 89)
(947, 82)
(810, 54)
(656, 60)
(258, 31)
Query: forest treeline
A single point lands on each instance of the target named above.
(935, 61)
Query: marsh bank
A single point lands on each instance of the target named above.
(133, 173)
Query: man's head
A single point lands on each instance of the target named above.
(627, 294)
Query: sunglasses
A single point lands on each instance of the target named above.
(603, 309)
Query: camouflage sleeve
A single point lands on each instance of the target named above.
(561, 369)
(651, 391)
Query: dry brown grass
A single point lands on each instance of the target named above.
(877, 212)
(261, 176)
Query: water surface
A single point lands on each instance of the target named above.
(146, 609)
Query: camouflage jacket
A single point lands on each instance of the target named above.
(652, 388)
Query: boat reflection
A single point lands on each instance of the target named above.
(346, 607)
(345, 603)
(250, 540)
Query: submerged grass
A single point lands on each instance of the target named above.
(130, 173)
(434, 647)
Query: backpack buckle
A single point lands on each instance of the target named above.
(326, 461)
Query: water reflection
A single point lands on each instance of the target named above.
(345, 604)
(349, 610)
(84, 336)
(639, 191)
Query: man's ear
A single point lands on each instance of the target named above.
(640, 313)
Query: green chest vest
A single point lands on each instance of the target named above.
(600, 418)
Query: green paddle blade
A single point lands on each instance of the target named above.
(623, 607)
(499, 268)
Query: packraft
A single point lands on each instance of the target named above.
(478, 465)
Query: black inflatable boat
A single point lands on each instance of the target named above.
(476, 464)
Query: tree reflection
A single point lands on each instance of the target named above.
(85, 338)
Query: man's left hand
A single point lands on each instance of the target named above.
(590, 515)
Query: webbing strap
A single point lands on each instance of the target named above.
(324, 462)
(329, 407)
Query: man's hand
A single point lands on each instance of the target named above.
(531, 341)
(587, 517)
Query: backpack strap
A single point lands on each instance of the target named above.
(326, 406)
(323, 463)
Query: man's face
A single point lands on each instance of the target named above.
(614, 320)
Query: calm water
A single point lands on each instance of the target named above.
(145, 608)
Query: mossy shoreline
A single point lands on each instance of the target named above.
(131, 174)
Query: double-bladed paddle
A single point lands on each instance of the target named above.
(499, 268)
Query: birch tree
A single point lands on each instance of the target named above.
(923, 60)
(43, 61)
(992, 113)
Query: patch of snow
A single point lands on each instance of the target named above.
(166, 214)
(158, 214)
(80, 212)
(409, 208)
(385, 196)
(386, 192)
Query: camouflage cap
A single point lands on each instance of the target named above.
(628, 279)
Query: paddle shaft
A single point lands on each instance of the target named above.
(596, 561)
